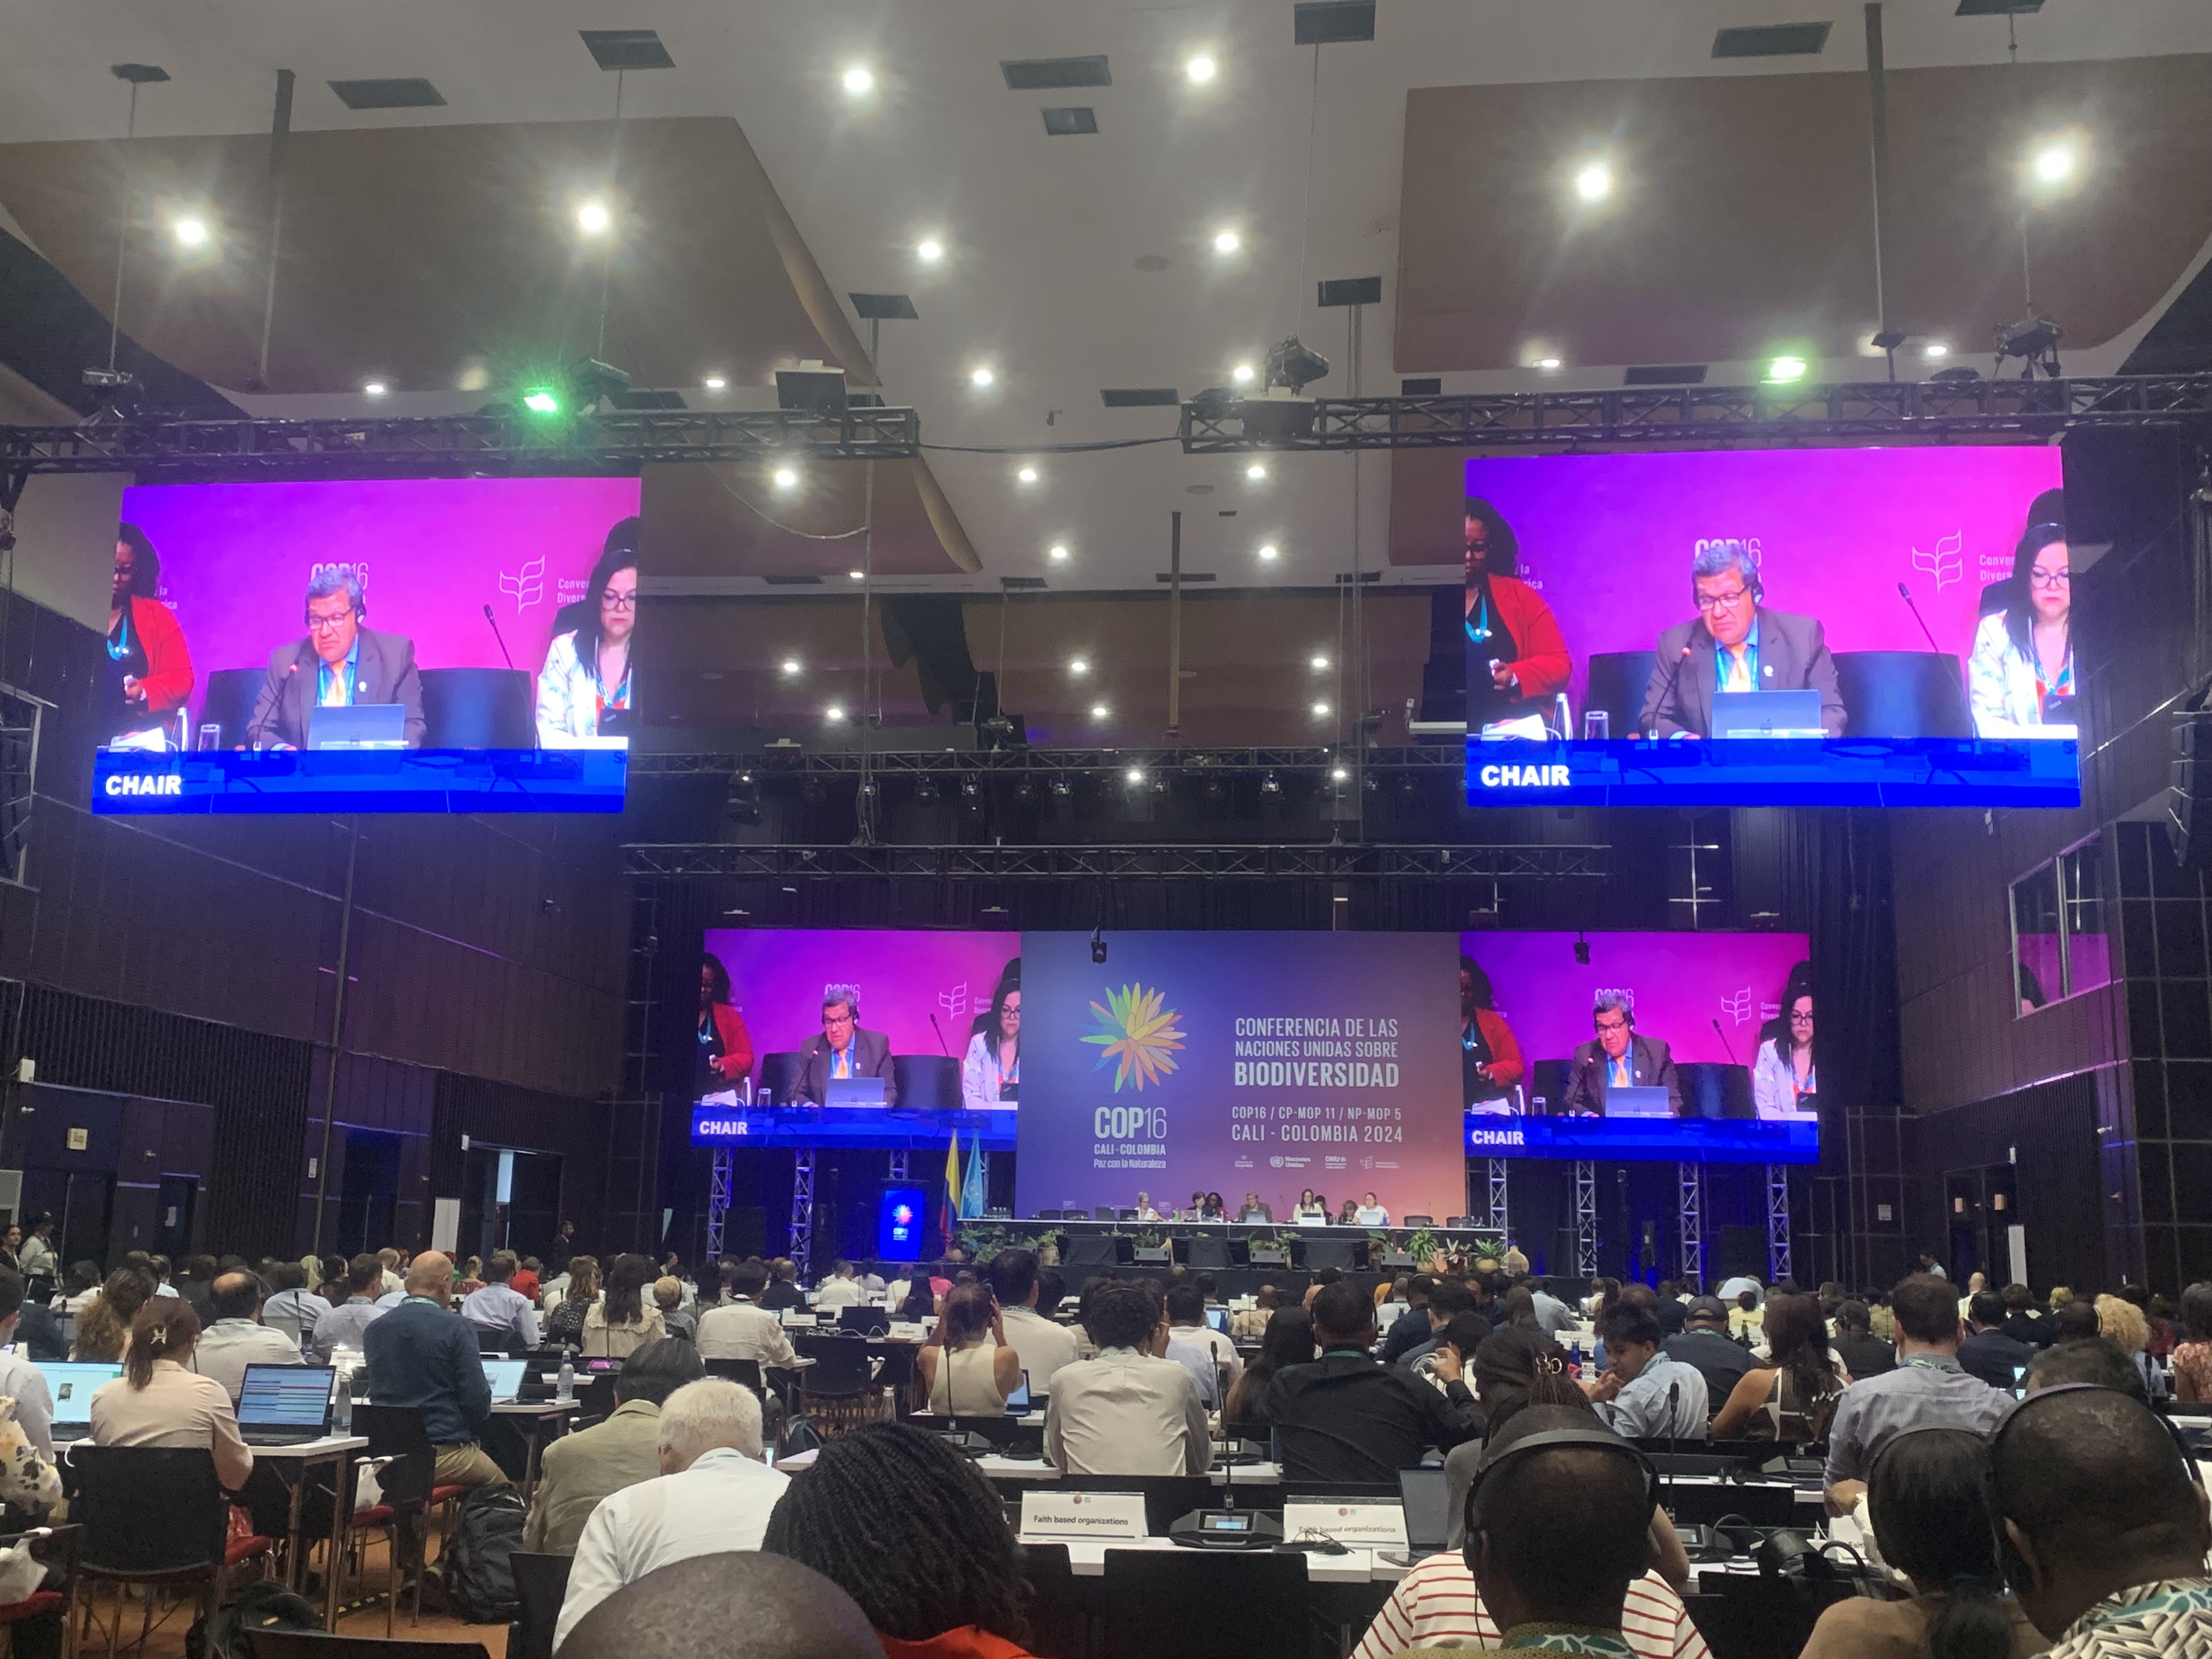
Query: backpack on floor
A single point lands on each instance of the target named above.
(477, 1570)
(264, 1605)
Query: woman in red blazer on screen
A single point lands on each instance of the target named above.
(1490, 1056)
(1516, 658)
(151, 670)
(725, 1048)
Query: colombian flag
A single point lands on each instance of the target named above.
(948, 1210)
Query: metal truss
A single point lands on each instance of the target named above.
(620, 441)
(1777, 1223)
(1039, 764)
(1869, 412)
(1317, 861)
(1500, 1221)
(21, 716)
(1690, 1186)
(898, 1164)
(1585, 1219)
(802, 1210)
(717, 1200)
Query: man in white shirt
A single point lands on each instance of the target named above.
(19, 1378)
(739, 1329)
(714, 1496)
(1044, 1347)
(839, 1290)
(1372, 1213)
(1187, 1324)
(237, 1338)
(500, 1307)
(292, 1299)
(1127, 1412)
(393, 1283)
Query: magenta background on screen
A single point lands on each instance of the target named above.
(1680, 983)
(776, 981)
(236, 559)
(1609, 538)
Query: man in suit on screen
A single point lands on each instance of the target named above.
(1734, 644)
(1618, 1058)
(338, 665)
(844, 1049)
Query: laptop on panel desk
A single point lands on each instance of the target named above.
(1638, 1102)
(854, 1092)
(358, 726)
(1768, 714)
(284, 1405)
(72, 1386)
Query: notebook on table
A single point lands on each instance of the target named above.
(284, 1405)
(72, 1384)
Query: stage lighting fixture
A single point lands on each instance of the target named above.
(858, 575)
(1027, 474)
(1099, 711)
(812, 388)
(1594, 181)
(1078, 666)
(981, 376)
(1134, 774)
(2034, 340)
(1201, 68)
(714, 382)
(832, 714)
(1338, 774)
(2054, 163)
(1784, 369)
(1256, 472)
(1060, 788)
(1548, 362)
(190, 231)
(593, 219)
(1226, 242)
(1935, 349)
(541, 400)
(790, 665)
(590, 380)
(1295, 365)
(1099, 947)
(1267, 553)
(1320, 664)
(968, 787)
(1268, 786)
(743, 805)
(1059, 551)
(1581, 951)
(1243, 373)
(785, 478)
(374, 388)
(929, 250)
(1321, 711)
(859, 80)
(925, 791)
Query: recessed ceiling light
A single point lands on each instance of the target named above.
(1320, 662)
(1077, 665)
(1786, 368)
(858, 575)
(832, 714)
(930, 250)
(1593, 182)
(1935, 349)
(858, 81)
(2054, 163)
(1268, 551)
(593, 219)
(1201, 68)
(1099, 712)
(1241, 373)
(785, 478)
(1548, 362)
(1059, 550)
(1321, 712)
(1226, 242)
(374, 388)
(190, 231)
(1256, 472)
(791, 664)
(1027, 474)
(714, 382)
(981, 376)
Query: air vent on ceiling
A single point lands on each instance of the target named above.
(1996, 8)
(1666, 374)
(635, 400)
(1325, 22)
(1071, 123)
(1043, 74)
(410, 93)
(1140, 397)
(626, 49)
(1433, 386)
(888, 307)
(1165, 576)
(1014, 583)
(792, 581)
(1349, 291)
(1772, 40)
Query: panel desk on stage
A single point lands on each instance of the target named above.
(1229, 1243)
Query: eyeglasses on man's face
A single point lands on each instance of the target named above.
(1718, 602)
(328, 624)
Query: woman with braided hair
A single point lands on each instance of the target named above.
(160, 1401)
(909, 1529)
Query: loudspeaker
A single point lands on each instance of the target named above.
(1739, 1252)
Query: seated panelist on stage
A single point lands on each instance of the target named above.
(1618, 1058)
(1252, 1209)
(1734, 645)
(991, 1074)
(844, 1049)
(339, 664)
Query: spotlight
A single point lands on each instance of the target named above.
(834, 714)
(1321, 711)
(1227, 241)
(1548, 362)
(1581, 951)
(374, 388)
(2054, 163)
(858, 81)
(2034, 340)
(790, 666)
(593, 219)
(1269, 786)
(541, 401)
(1320, 665)
(1059, 551)
(924, 790)
(1256, 472)
(1935, 349)
(1267, 553)
(785, 478)
(1783, 369)
(1338, 774)
(1099, 947)
(1295, 365)
(1241, 373)
(714, 382)
(1060, 788)
(1027, 474)
(1134, 774)
(1077, 665)
(858, 575)
(1593, 182)
(1099, 712)
(929, 250)
(981, 376)
(1201, 68)
(968, 787)
(589, 380)
(190, 231)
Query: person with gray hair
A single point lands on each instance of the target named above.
(1734, 645)
(714, 1495)
(1618, 1058)
(341, 664)
(843, 1049)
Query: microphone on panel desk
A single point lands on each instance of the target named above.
(496, 634)
(1905, 593)
(1674, 671)
(1725, 1043)
(939, 1030)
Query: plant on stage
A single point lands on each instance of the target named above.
(1135, 1030)
(1424, 1248)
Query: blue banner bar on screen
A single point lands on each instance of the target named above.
(722, 1123)
(1776, 772)
(1673, 1140)
(360, 781)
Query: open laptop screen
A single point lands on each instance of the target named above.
(72, 1386)
(1423, 1494)
(284, 1397)
(505, 1376)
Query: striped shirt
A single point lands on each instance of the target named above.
(1436, 1605)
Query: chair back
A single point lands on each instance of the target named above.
(1059, 1627)
(926, 1083)
(779, 1074)
(314, 1644)
(397, 1433)
(1150, 1594)
(149, 1511)
(841, 1365)
(497, 1343)
(747, 1371)
(541, 1584)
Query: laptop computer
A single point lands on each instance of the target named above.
(284, 1405)
(72, 1385)
(1638, 1102)
(1424, 1496)
(854, 1092)
(1768, 714)
(358, 726)
(505, 1376)
(1218, 1318)
(1017, 1402)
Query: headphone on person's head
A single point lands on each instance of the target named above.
(1548, 1440)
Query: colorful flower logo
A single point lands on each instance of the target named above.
(902, 1213)
(1136, 1031)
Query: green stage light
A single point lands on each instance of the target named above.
(541, 402)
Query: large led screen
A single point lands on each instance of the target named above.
(419, 645)
(1869, 626)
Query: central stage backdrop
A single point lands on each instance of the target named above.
(1241, 1062)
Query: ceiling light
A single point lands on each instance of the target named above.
(1548, 362)
(1027, 474)
(714, 382)
(1059, 551)
(541, 402)
(1338, 773)
(791, 664)
(1321, 711)
(929, 250)
(1935, 349)
(1269, 786)
(1786, 368)
(785, 477)
(858, 81)
(1241, 373)
(2054, 163)
(1267, 552)
(1593, 182)
(1201, 68)
(1135, 774)
(190, 231)
(1255, 472)
(858, 575)
(1077, 665)
(1320, 664)
(374, 388)
(1226, 242)
(1099, 712)
(981, 376)
(593, 219)
(832, 714)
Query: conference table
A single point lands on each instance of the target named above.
(338, 1450)
(1311, 1245)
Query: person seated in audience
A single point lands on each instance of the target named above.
(2024, 1322)
(1705, 1343)
(500, 1310)
(1457, 1341)
(289, 1297)
(342, 1326)
(1515, 1366)
(1043, 1346)
(1642, 1393)
(1412, 1327)
(103, 1327)
(1518, 1310)
(1251, 1324)
(526, 1283)
(1927, 1495)
(912, 1531)
(2075, 1320)
(579, 1469)
(1553, 1315)
(622, 1320)
(564, 1320)
(712, 1495)
(237, 1338)
(2192, 1353)
(2120, 1323)
(1791, 1397)
(1747, 1320)
(1863, 1354)
(1188, 1325)
(742, 1329)
(727, 1606)
(1987, 1351)
(159, 1400)
(1130, 1411)
(468, 1278)
(668, 1296)
(2092, 1360)
(783, 1293)
(1928, 1386)
(1451, 1300)
(21, 1379)
(840, 1290)
(968, 1367)
(1348, 1417)
(1288, 1341)
(421, 1355)
(1673, 1308)
(2106, 1530)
